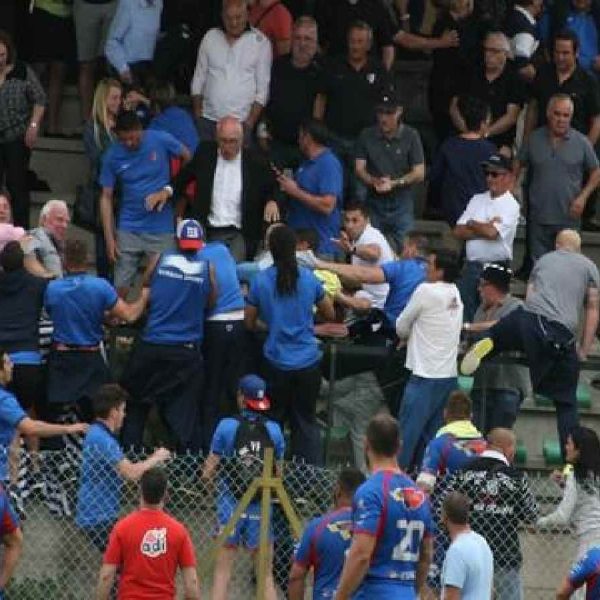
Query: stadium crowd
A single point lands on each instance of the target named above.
(252, 188)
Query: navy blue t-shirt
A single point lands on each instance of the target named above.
(291, 343)
(76, 304)
(229, 296)
(179, 293)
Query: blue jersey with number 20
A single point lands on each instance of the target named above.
(587, 571)
(392, 508)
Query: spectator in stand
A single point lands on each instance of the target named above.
(92, 20)
(501, 502)
(582, 19)
(77, 305)
(374, 568)
(12, 540)
(364, 245)
(98, 135)
(522, 32)
(274, 19)
(131, 39)
(454, 445)
(22, 105)
(351, 87)
(325, 542)
(50, 27)
(584, 572)
(314, 195)
(498, 389)
(562, 283)
(335, 18)
(295, 80)
(104, 466)
(284, 296)
(45, 251)
(166, 368)
(232, 72)
(147, 548)
(469, 563)
(456, 174)
(580, 504)
(432, 321)
(234, 193)
(498, 85)
(8, 231)
(139, 163)
(169, 117)
(390, 161)
(488, 226)
(563, 172)
(248, 434)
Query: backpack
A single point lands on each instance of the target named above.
(251, 440)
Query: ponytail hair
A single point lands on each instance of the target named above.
(282, 243)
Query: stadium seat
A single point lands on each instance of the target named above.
(551, 451)
(584, 398)
(465, 384)
(520, 453)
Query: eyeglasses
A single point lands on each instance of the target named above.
(493, 174)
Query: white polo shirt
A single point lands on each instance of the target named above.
(230, 77)
(483, 208)
(375, 292)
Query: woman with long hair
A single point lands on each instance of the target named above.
(580, 504)
(283, 297)
(98, 135)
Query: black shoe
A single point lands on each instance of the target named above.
(36, 184)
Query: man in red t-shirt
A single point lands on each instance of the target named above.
(147, 547)
(275, 21)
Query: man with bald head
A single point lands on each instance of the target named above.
(563, 283)
(500, 500)
(234, 191)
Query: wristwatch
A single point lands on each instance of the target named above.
(169, 190)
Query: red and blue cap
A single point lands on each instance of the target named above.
(190, 235)
(254, 390)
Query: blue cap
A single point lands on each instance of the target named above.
(190, 235)
(254, 390)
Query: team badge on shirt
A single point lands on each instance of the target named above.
(154, 543)
(412, 498)
(343, 528)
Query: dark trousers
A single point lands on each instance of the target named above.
(223, 348)
(500, 409)
(14, 159)
(294, 399)
(170, 377)
(552, 357)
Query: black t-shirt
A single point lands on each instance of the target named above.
(291, 97)
(581, 87)
(506, 89)
(352, 95)
(335, 16)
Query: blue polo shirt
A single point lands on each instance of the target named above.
(11, 414)
(179, 123)
(100, 483)
(322, 176)
(179, 293)
(403, 276)
(291, 343)
(229, 296)
(76, 304)
(141, 172)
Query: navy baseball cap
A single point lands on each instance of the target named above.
(388, 102)
(498, 275)
(497, 162)
(254, 390)
(190, 235)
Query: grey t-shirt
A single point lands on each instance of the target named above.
(557, 174)
(44, 249)
(560, 283)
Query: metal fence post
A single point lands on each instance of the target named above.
(265, 521)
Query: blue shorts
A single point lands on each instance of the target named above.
(247, 529)
(384, 590)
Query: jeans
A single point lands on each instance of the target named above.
(394, 217)
(501, 409)
(508, 583)
(421, 415)
(14, 159)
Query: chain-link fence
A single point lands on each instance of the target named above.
(61, 563)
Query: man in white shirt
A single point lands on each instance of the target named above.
(488, 226)
(432, 321)
(232, 72)
(366, 246)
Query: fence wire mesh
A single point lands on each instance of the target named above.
(59, 561)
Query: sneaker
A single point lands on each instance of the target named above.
(472, 359)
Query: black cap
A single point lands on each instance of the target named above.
(497, 162)
(388, 101)
(498, 275)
